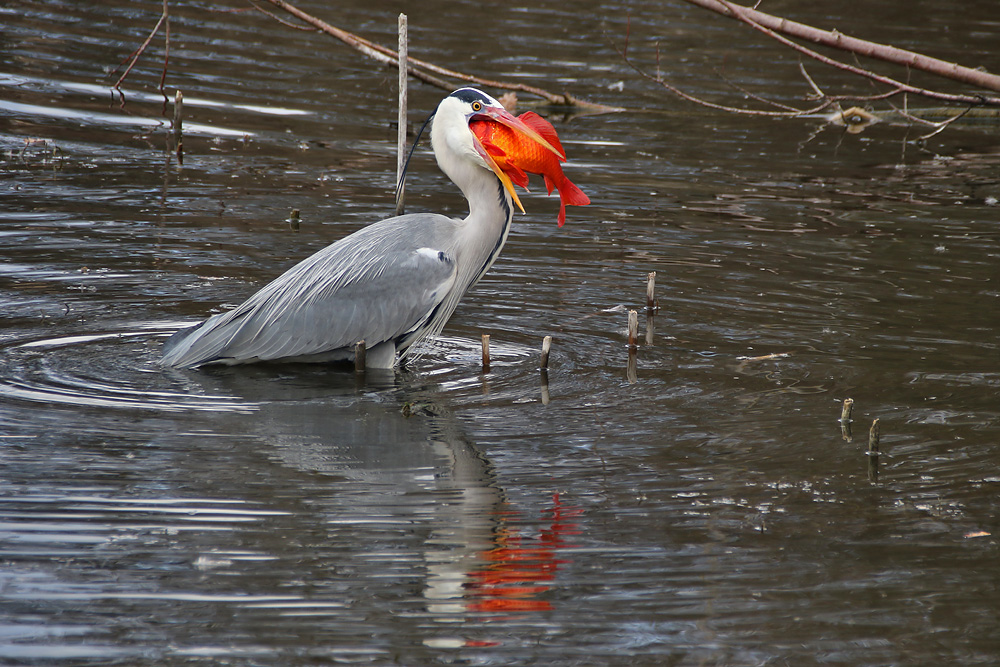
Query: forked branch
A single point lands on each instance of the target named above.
(835, 39)
(133, 58)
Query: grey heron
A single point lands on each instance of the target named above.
(392, 283)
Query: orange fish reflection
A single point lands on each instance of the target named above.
(518, 571)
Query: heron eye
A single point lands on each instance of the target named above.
(477, 106)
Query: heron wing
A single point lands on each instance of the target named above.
(382, 283)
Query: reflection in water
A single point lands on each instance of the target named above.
(353, 478)
(519, 570)
(295, 516)
(475, 556)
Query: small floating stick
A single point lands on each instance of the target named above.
(486, 353)
(360, 354)
(651, 305)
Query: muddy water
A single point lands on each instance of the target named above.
(713, 511)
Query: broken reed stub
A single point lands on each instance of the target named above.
(360, 356)
(845, 411)
(178, 126)
(633, 329)
(486, 353)
(873, 451)
(873, 438)
(651, 305)
(546, 347)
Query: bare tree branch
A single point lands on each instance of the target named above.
(773, 25)
(425, 71)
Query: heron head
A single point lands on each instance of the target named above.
(451, 136)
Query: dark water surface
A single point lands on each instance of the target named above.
(711, 512)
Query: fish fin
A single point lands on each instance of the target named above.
(570, 194)
(550, 183)
(544, 128)
(517, 175)
(493, 149)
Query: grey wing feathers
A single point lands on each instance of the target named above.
(378, 284)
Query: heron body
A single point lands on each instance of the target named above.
(391, 283)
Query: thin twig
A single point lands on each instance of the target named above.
(712, 105)
(287, 24)
(754, 96)
(133, 59)
(945, 123)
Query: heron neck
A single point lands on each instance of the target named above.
(489, 219)
(489, 202)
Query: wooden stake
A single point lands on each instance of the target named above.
(845, 412)
(486, 353)
(651, 305)
(401, 133)
(873, 451)
(360, 354)
(633, 328)
(845, 420)
(546, 346)
(178, 125)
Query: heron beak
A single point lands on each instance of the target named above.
(518, 125)
(503, 117)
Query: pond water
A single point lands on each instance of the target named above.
(711, 510)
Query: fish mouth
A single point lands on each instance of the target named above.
(502, 116)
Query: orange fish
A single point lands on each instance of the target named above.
(516, 153)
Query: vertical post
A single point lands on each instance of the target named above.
(401, 134)
(845, 420)
(845, 412)
(178, 127)
(633, 329)
(360, 354)
(544, 365)
(486, 353)
(546, 347)
(633, 342)
(873, 451)
(651, 292)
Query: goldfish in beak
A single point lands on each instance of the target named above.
(526, 143)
